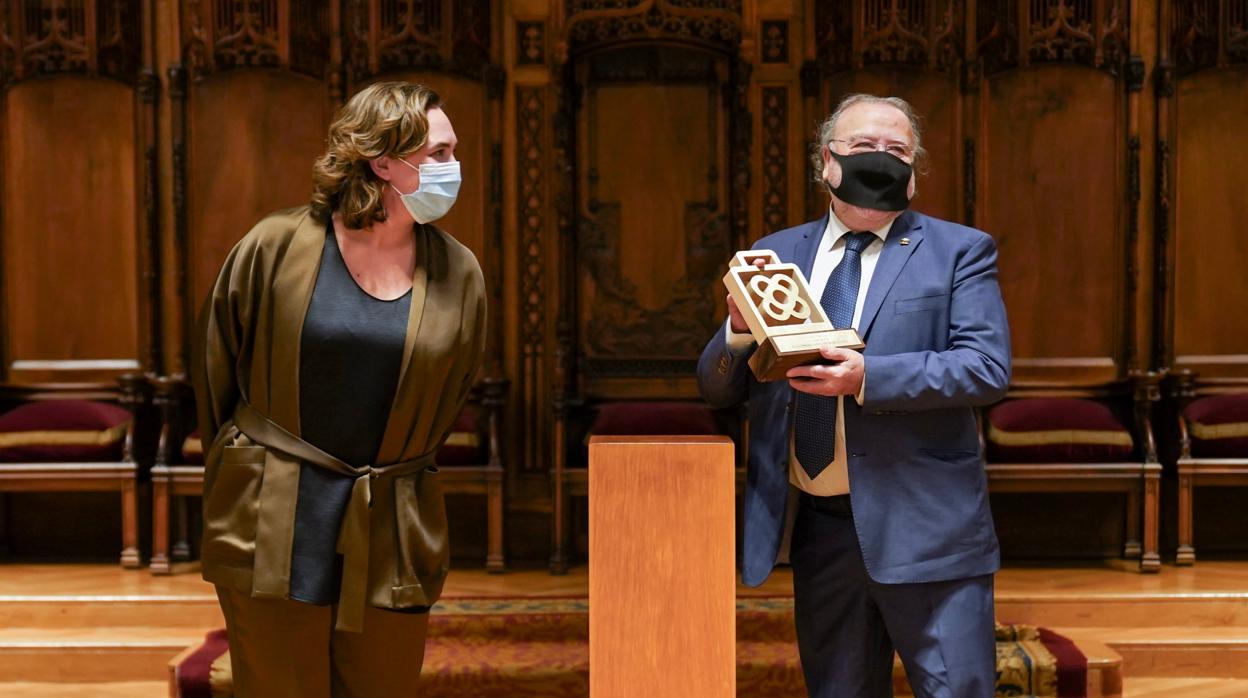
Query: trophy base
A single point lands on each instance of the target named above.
(776, 355)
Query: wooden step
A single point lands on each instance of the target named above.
(90, 654)
(1158, 610)
(193, 611)
(1173, 651)
(1185, 688)
(1105, 669)
(110, 689)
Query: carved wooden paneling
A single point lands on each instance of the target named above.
(1208, 33)
(774, 37)
(86, 37)
(71, 260)
(921, 33)
(1053, 202)
(530, 43)
(651, 241)
(1210, 248)
(775, 150)
(71, 192)
(251, 142)
(1091, 32)
(594, 24)
(531, 220)
(222, 35)
(390, 35)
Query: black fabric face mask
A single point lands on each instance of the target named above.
(874, 180)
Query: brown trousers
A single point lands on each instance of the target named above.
(289, 649)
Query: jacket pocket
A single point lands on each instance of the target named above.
(952, 455)
(231, 507)
(914, 305)
(424, 555)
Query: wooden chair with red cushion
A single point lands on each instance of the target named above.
(177, 475)
(1082, 439)
(470, 463)
(622, 418)
(82, 439)
(1213, 442)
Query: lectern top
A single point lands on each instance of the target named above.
(658, 440)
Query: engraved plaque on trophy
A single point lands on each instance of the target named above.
(786, 321)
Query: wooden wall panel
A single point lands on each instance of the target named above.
(1051, 197)
(70, 237)
(1211, 248)
(936, 98)
(653, 234)
(650, 190)
(252, 136)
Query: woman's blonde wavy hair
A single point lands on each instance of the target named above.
(386, 118)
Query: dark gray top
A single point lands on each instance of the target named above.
(350, 356)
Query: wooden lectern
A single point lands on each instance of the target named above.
(662, 574)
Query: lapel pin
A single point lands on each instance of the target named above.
(905, 241)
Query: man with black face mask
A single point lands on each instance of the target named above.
(893, 546)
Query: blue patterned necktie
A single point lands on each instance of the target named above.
(815, 429)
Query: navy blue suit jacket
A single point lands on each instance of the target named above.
(938, 345)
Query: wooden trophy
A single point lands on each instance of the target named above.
(786, 321)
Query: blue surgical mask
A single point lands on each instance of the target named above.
(439, 186)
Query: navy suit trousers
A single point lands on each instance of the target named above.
(848, 625)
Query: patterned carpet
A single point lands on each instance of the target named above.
(518, 648)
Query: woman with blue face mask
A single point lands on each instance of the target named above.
(334, 354)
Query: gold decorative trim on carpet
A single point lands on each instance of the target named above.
(1025, 667)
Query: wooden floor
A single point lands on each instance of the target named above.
(98, 630)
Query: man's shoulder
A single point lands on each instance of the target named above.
(785, 237)
(949, 232)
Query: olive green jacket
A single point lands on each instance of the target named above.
(246, 374)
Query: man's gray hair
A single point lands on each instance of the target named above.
(823, 135)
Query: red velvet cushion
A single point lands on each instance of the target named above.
(63, 431)
(1219, 426)
(463, 446)
(193, 449)
(1056, 430)
(654, 419)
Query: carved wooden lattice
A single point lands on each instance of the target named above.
(222, 35)
(389, 35)
(378, 36)
(532, 205)
(1209, 33)
(922, 33)
(929, 34)
(89, 37)
(599, 23)
(1091, 32)
(775, 158)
